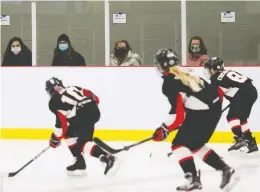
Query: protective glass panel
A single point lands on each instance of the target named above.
(237, 43)
(19, 13)
(82, 21)
(150, 25)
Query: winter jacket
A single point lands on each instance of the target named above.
(63, 59)
(132, 59)
(24, 58)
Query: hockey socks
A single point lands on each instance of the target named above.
(240, 129)
(76, 147)
(186, 160)
(210, 157)
(73, 145)
(92, 149)
(235, 126)
(246, 131)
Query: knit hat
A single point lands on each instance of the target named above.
(63, 37)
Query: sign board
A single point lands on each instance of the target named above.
(119, 18)
(228, 17)
(5, 20)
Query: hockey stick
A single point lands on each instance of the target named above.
(114, 151)
(223, 110)
(126, 148)
(12, 174)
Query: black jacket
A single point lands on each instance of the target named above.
(24, 58)
(76, 59)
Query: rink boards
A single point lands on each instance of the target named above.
(131, 102)
(109, 135)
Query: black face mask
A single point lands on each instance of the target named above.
(121, 52)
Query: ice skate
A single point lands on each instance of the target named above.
(111, 164)
(252, 145)
(193, 183)
(78, 168)
(229, 179)
(239, 143)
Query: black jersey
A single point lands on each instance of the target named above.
(68, 101)
(183, 98)
(201, 100)
(230, 82)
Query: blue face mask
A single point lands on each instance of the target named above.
(63, 46)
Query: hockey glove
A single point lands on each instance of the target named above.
(54, 141)
(161, 133)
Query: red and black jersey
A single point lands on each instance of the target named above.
(182, 97)
(66, 103)
(230, 82)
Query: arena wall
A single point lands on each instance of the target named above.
(131, 101)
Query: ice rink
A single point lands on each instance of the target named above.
(138, 171)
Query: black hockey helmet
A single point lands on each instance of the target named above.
(51, 83)
(212, 66)
(165, 58)
(214, 63)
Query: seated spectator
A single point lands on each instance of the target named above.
(123, 55)
(17, 53)
(65, 55)
(197, 52)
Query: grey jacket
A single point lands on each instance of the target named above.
(132, 59)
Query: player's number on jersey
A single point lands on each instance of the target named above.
(236, 77)
(74, 92)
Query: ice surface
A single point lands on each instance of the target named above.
(138, 172)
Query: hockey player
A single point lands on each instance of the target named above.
(201, 104)
(76, 110)
(242, 94)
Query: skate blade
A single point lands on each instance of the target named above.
(234, 180)
(254, 154)
(234, 152)
(112, 172)
(77, 173)
(245, 154)
(238, 154)
(243, 149)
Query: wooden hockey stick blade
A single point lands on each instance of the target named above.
(114, 151)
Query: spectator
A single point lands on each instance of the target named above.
(17, 53)
(123, 55)
(197, 52)
(65, 55)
